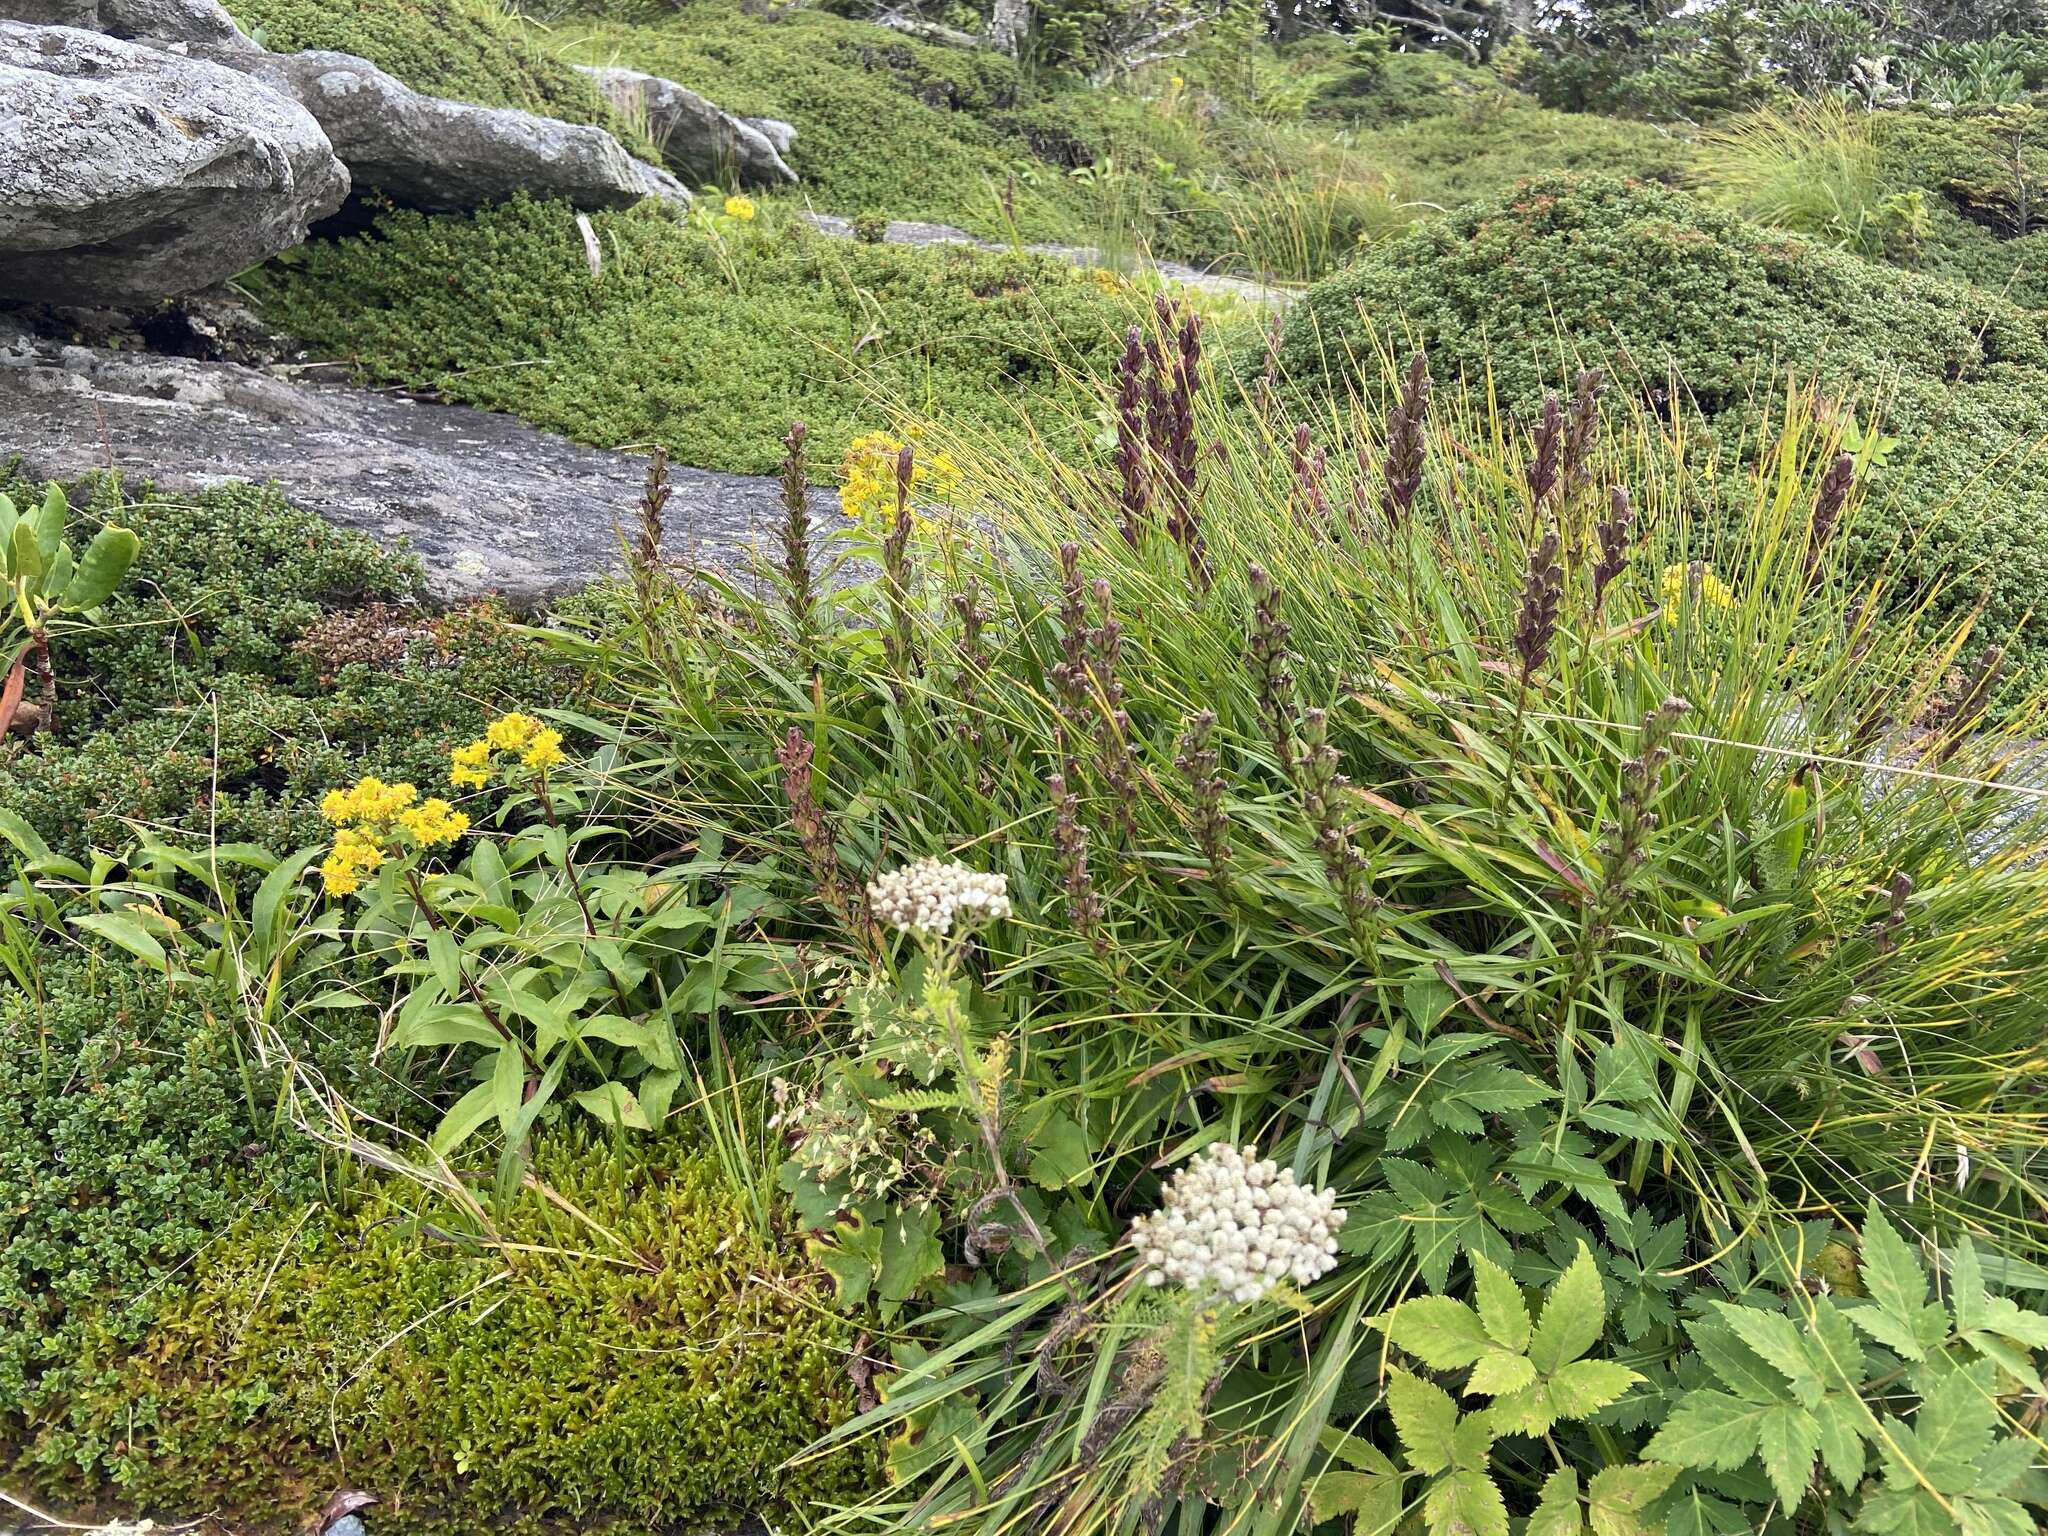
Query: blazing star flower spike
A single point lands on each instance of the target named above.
(1238, 1226)
(928, 897)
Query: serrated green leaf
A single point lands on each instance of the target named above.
(1443, 1334)
(1581, 1388)
(1788, 1440)
(1557, 1511)
(1618, 1496)
(1424, 1417)
(910, 1252)
(1499, 1372)
(1465, 1504)
(1894, 1280)
(1709, 1428)
(1370, 1491)
(1573, 1314)
(1502, 1312)
(1776, 1339)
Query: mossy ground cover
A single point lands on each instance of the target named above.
(709, 345)
(639, 1355)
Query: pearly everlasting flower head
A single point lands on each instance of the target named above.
(929, 897)
(1238, 1225)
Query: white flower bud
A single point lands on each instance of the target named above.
(1236, 1225)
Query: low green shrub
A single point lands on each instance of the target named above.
(135, 1130)
(639, 1357)
(1704, 315)
(706, 345)
(469, 50)
(256, 656)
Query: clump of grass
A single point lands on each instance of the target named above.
(1813, 167)
(1568, 785)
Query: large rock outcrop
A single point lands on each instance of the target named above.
(163, 22)
(489, 503)
(129, 172)
(697, 137)
(446, 156)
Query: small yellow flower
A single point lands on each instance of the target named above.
(367, 800)
(510, 733)
(354, 855)
(434, 824)
(741, 208)
(546, 750)
(1708, 590)
(470, 765)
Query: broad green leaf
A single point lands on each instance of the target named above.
(1441, 1333)
(1060, 1153)
(1465, 1504)
(446, 955)
(1424, 1418)
(25, 559)
(1739, 1367)
(473, 1109)
(1709, 1428)
(613, 1104)
(1573, 1315)
(508, 1084)
(448, 1024)
(49, 524)
(910, 1252)
(1788, 1440)
(1500, 1304)
(849, 1259)
(1618, 1496)
(1897, 1285)
(1557, 1511)
(124, 932)
(1370, 1491)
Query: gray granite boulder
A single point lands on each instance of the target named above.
(163, 22)
(129, 173)
(448, 156)
(700, 139)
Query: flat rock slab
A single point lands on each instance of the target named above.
(489, 503)
(917, 232)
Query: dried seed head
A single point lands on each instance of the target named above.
(1543, 465)
(1611, 537)
(1267, 656)
(1827, 508)
(1135, 493)
(1581, 432)
(1405, 442)
(1536, 621)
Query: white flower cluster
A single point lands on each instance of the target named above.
(929, 896)
(1238, 1225)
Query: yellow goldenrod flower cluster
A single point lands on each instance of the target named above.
(535, 745)
(741, 208)
(354, 857)
(370, 817)
(867, 492)
(1710, 592)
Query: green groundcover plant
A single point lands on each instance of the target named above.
(1398, 969)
